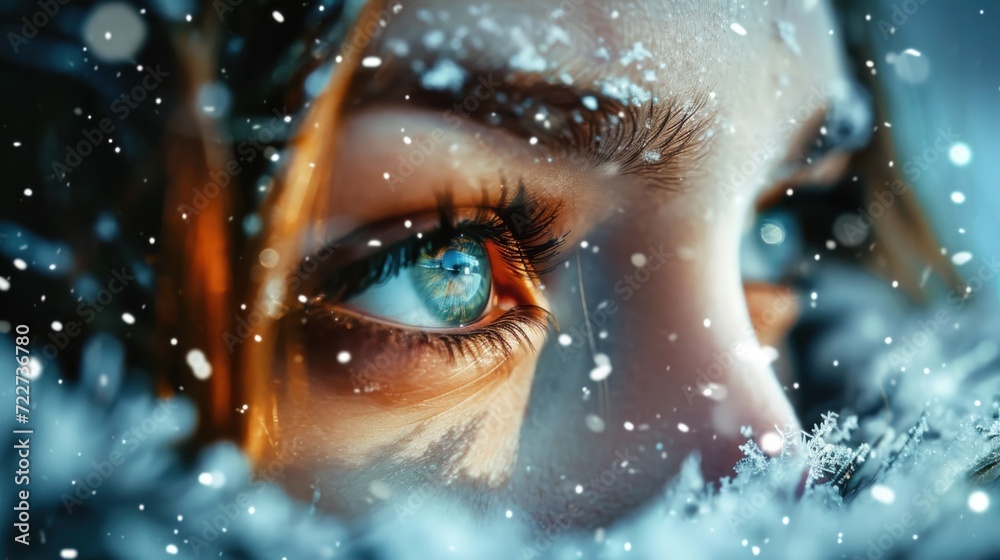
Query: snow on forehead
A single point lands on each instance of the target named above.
(530, 45)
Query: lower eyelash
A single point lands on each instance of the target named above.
(501, 336)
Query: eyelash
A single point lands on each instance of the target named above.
(517, 226)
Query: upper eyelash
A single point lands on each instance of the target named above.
(518, 226)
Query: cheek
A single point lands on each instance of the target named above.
(392, 403)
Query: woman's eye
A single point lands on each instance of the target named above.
(445, 287)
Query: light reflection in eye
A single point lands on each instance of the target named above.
(447, 287)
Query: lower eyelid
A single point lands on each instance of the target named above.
(383, 354)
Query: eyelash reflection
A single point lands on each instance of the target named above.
(518, 229)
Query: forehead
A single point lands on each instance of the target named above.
(642, 49)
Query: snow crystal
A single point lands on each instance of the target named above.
(883, 494)
(594, 422)
(602, 368)
(199, 364)
(590, 102)
(636, 53)
(958, 197)
(960, 154)
(625, 91)
(961, 258)
(979, 501)
(737, 28)
(527, 57)
(651, 156)
(445, 75)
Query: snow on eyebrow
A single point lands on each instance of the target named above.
(444, 75)
(527, 57)
(636, 53)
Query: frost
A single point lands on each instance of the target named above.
(754, 462)
(625, 91)
(636, 53)
(526, 58)
(556, 35)
(825, 449)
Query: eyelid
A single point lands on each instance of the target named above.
(517, 226)
(500, 337)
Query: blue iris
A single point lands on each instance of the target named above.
(453, 282)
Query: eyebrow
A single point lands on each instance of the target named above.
(660, 141)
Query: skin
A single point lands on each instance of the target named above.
(687, 370)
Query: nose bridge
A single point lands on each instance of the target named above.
(694, 367)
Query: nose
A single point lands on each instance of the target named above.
(679, 372)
